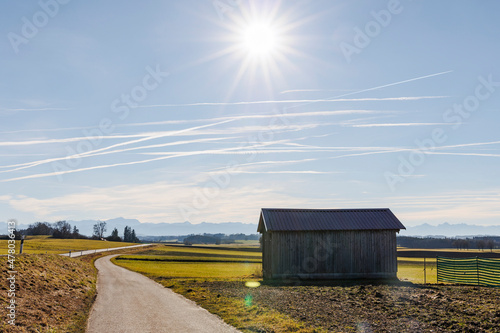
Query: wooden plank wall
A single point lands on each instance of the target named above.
(330, 254)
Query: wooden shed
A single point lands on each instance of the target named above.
(329, 243)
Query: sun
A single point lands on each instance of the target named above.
(259, 39)
(260, 44)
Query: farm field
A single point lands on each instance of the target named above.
(223, 288)
(193, 262)
(412, 270)
(48, 245)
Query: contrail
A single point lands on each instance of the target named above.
(311, 101)
(305, 101)
(313, 90)
(36, 109)
(393, 84)
(383, 86)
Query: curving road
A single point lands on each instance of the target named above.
(130, 302)
(75, 254)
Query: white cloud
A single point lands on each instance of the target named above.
(158, 202)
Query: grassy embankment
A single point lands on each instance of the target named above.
(53, 293)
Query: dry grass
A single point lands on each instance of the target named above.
(53, 293)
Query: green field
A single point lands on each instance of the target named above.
(412, 270)
(174, 262)
(187, 270)
(185, 258)
(46, 244)
(219, 251)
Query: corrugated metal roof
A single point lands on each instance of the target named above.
(275, 219)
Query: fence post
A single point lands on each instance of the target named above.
(437, 269)
(22, 245)
(425, 272)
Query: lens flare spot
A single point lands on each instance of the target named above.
(252, 284)
(248, 300)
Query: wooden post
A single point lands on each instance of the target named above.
(22, 245)
(425, 272)
(437, 279)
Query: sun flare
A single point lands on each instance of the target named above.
(260, 44)
(259, 38)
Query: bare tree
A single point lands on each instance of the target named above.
(490, 244)
(62, 229)
(99, 229)
(481, 244)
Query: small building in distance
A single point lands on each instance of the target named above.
(329, 243)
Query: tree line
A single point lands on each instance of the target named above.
(60, 229)
(480, 243)
(63, 230)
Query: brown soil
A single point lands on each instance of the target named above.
(375, 308)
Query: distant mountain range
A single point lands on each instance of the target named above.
(187, 228)
(451, 230)
(85, 227)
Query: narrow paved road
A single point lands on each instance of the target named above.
(130, 302)
(85, 252)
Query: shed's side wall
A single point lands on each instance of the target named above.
(267, 255)
(330, 254)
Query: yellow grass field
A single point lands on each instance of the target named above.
(165, 250)
(46, 244)
(219, 268)
(413, 270)
(187, 270)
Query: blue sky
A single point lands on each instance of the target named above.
(210, 110)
